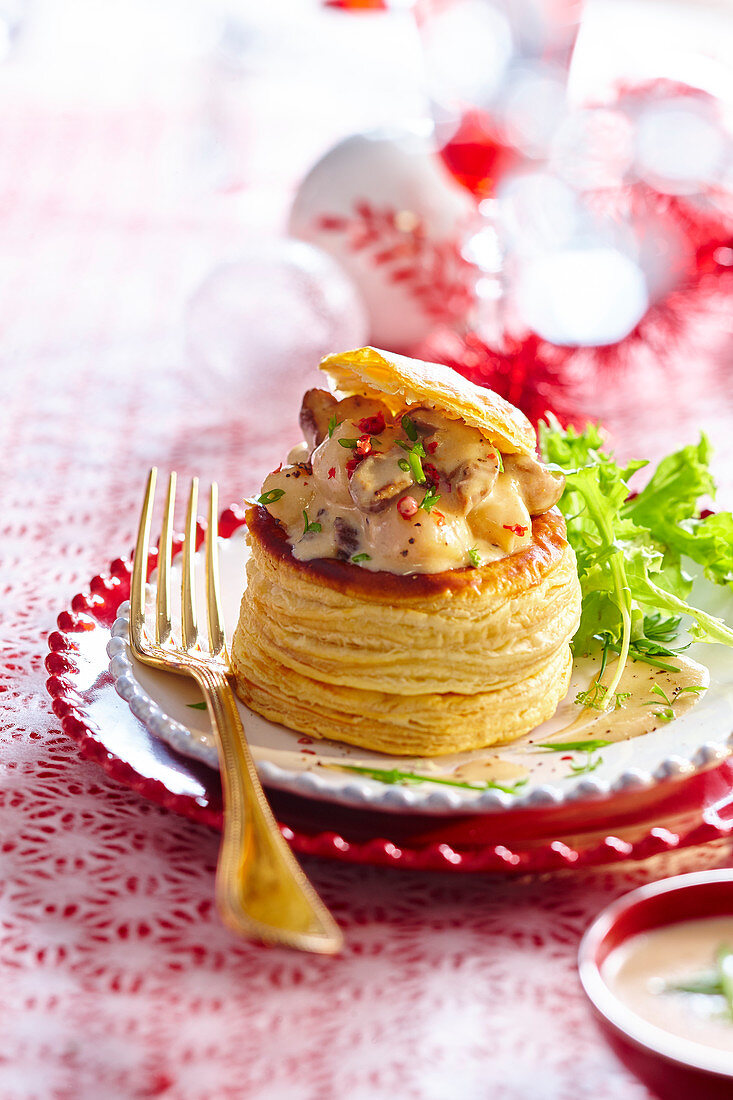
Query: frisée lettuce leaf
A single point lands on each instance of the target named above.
(631, 549)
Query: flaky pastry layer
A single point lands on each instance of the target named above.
(386, 375)
(422, 664)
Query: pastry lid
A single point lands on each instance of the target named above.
(372, 372)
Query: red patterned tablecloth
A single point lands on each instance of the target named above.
(117, 980)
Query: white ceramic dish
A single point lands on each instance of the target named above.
(289, 761)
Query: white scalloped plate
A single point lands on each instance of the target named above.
(289, 761)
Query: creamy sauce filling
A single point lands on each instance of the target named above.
(642, 708)
(492, 769)
(643, 972)
(413, 492)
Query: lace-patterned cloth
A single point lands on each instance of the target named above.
(116, 978)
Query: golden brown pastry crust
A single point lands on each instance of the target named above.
(423, 664)
(385, 375)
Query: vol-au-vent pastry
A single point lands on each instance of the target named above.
(410, 588)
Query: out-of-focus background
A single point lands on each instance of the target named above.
(197, 200)
(151, 171)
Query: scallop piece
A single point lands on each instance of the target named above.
(422, 542)
(292, 488)
(502, 517)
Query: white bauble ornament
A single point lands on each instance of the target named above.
(383, 205)
(258, 326)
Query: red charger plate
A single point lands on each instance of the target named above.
(636, 825)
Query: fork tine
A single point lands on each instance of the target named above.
(213, 602)
(163, 598)
(188, 588)
(140, 561)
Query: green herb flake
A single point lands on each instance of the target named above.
(589, 747)
(710, 983)
(333, 424)
(596, 698)
(271, 496)
(429, 501)
(418, 474)
(574, 746)
(403, 464)
(414, 448)
(309, 526)
(395, 775)
(409, 428)
(724, 960)
(473, 555)
(707, 983)
(197, 706)
(666, 713)
(590, 765)
(361, 557)
(349, 444)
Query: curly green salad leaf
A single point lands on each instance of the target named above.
(631, 549)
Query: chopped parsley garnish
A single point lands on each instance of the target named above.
(724, 959)
(473, 555)
(707, 983)
(333, 424)
(574, 746)
(271, 496)
(596, 698)
(394, 775)
(589, 747)
(309, 526)
(415, 448)
(499, 462)
(409, 428)
(349, 444)
(430, 499)
(416, 469)
(414, 454)
(667, 712)
(710, 983)
(361, 557)
(403, 464)
(591, 763)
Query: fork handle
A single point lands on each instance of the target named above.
(261, 890)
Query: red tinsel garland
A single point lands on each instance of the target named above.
(538, 376)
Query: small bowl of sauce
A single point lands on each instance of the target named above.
(657, 966)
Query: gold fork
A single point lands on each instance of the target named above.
(261, 890)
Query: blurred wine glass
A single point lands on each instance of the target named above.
(587, 208)
(495, 74)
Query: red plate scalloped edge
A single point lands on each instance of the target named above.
(703, 819)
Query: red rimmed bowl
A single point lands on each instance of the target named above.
(674, 1068)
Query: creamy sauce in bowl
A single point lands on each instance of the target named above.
(667, 977)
